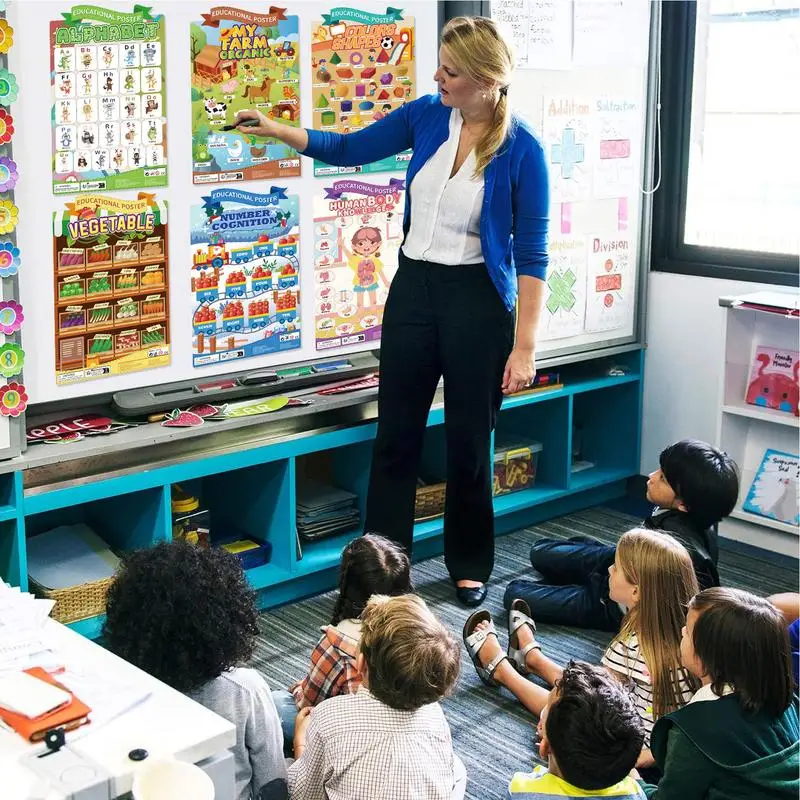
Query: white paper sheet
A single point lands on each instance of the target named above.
(610, 33)
(609, 283)
(564, 308)
(549, 34)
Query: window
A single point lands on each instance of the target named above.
(729, 200)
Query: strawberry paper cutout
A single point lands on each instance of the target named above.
(207, 411)
(182, 419)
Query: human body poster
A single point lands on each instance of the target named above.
(243, 61)
(357, 237)
(362, 68)
(109, 101)
(245, 279)
(111, 277)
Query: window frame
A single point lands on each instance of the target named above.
(670, 253)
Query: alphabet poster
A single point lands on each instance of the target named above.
(111, 279)
(240, 61)
(358, 230)
(362, 68)
(245, 279)
(109, 102)
(609, 284)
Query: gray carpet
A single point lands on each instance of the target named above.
(491, 732)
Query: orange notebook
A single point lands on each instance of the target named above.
(70, 716)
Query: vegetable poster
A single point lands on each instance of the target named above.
(241, 60)
(109, 124)
(244, 275)
(362, 68)
(111, 280)
(358, 230)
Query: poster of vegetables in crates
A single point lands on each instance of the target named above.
(245, 278)
(243, 61)
(111, 276)
(362, 69)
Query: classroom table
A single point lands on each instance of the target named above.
(165, 724)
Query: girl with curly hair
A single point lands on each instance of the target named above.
(187, 616)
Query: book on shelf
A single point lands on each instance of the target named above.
(773, 380)
(773, 492)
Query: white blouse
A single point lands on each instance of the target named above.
(446, 212)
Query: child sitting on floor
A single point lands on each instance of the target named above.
(186, 615)
(370, 565)
(737, 739)
(653, 578)
(695, 487)
(390, 740)
(591, 736)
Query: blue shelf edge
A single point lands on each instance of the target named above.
(91, 627)
(7, 513)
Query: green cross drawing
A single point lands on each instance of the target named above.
(561, 296)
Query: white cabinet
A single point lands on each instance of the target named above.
(746, 431)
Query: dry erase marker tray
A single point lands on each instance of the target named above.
(239, 386)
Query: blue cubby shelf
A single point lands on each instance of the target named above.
(594, 417)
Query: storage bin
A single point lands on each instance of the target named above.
(429, 502)
(515, 463)
(189, 522)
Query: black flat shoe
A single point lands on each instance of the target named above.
(471, 596)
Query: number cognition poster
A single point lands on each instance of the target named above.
(108, 116)
(362, 68)
(245, 275)
(243, 61)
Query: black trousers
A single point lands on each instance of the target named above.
(440, 321)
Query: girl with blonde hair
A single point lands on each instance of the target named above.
(475, 249)
(653, 580)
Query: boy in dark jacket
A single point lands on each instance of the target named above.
(695, 487)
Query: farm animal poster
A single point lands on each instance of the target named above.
(244, 275)
(108, 74)
(111, 275)
(362, 68)
(358, 230)
(243, 61)
(773, 381)
(773, 492)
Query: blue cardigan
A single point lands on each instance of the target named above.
(516, 194)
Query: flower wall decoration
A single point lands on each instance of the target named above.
(13, 399)
(9, 89)
(11, 317)
(9, 259)
(8, 173)
(9, 216)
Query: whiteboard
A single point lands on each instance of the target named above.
(581, 82)
(38, 203)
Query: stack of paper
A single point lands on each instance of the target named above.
(22, 620)
(69, 556)
(324, 510)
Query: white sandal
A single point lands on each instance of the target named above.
(475, 639)
(518, 615)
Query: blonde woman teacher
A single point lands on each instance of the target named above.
(475, 249)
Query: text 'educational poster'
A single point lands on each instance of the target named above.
(358, 230)
(241, 60)
(109, 101)
(362, 68)
(245, 275)
(111, 287)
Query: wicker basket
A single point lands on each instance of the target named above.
(76, 602)
(429, 503)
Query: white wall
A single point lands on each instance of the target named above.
(683, 368)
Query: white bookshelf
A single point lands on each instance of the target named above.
(746, 431)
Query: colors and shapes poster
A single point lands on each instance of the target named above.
(243, 61)
(111, 279)
(108, 74)
(610, 284)
(358, 230)
(362, 68)
(245, 279)
(564, 308)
